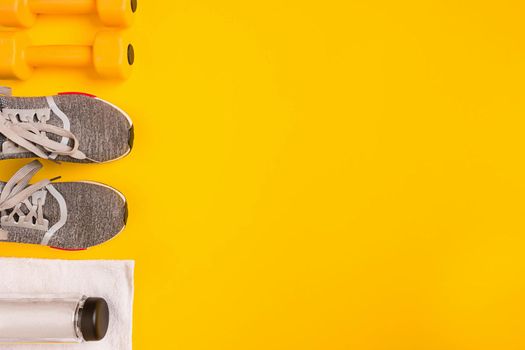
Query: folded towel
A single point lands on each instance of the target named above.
(111, 280)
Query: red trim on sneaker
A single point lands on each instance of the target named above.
(77, 93)
(68, 250)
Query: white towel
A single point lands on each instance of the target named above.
(111, 280)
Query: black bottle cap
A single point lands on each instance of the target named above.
(94, 319)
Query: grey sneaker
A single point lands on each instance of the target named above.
(71, 127)
(67, 215)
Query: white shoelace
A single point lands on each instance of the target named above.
(17, 192)
(30, 135)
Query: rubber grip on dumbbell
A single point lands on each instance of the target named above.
(59, 56)
(61, 7)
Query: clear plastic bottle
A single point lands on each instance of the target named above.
(53, 319)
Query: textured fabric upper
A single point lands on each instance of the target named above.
(95, 214)
(102, 130)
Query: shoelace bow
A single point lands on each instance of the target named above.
(30, 135)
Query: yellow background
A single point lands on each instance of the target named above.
(316, 174)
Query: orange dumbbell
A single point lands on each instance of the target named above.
(111, 55)
(23, 13)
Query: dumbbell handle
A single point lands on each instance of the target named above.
(60, 56)
(63, 7)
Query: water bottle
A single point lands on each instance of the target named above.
(53, 319)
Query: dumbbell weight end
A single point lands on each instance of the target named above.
(16, 13)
